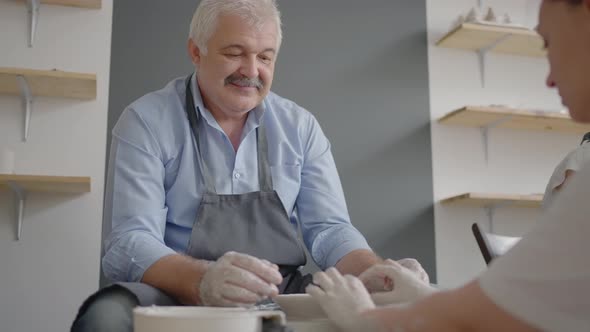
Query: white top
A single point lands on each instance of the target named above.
(574, 162)
(545, 279)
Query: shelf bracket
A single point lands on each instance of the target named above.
(33, 12)
(20, 195)
(490, 210)
(482, 55)
(485, 134)
(27, 103)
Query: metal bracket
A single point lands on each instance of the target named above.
(485, 134)
(20, 195)
(482, 54)
(490, 210)
(27, 102)
(33, 11)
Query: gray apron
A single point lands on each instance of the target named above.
(254, 223)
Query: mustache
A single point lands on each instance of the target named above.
(243, 81)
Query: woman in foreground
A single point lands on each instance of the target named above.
(543, 283)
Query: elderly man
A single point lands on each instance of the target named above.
(205, 176)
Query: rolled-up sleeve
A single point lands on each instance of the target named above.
(135, 209)
(321, 207)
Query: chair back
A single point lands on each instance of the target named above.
(492, 245)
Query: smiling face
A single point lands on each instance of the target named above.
(566, 31)
(237, 71)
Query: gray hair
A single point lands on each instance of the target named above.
(255, 12)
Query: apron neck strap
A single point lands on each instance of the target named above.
(193, 118)
(264, 172)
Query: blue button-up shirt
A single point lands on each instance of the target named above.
(154, 187)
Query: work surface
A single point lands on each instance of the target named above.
(312, 326)
(300, 312)
(208, 319)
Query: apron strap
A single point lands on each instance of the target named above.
(193, 118)
(264, 173)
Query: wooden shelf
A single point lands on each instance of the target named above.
(492, 200)
(92, 4)
(49, 83)
(20, 185)
(503, 117)
(501, 39)
(53, 184)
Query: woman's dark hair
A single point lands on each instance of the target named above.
(572, 2)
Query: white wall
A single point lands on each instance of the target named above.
(520, 162)
(47, 275)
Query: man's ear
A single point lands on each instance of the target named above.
(194, 52)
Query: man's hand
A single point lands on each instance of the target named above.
(376, 281)
(401, 284)
(414, 266)
(343, 299)
(239, 280)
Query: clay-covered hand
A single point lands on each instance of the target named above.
(376, 281)
(402, 285)
(239, 280)
(414, 266)
(343, 299)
